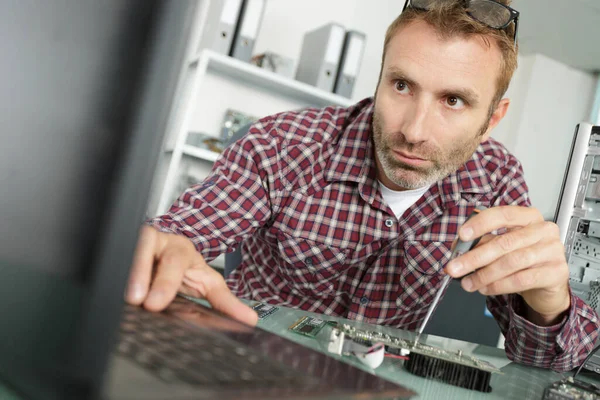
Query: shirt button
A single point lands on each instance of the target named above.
(364, 300)
(309, 262)
(389, 223)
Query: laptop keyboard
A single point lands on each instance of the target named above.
(176, 353)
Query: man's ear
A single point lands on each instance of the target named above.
(496, 117)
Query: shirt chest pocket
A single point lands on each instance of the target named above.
(422, 273)
(311, 267)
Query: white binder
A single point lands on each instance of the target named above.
(320, 56)
(247, 29)
(221, 21)
(352, 54)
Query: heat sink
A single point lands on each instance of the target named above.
(449, 372)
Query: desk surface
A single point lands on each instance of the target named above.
(515, 382)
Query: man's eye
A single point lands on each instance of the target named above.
(455, 102)
(401, 87)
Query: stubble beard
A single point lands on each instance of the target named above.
(442, 163)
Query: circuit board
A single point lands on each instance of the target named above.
(264, 310)
(308, 326)
(570, 389)
(456, 357)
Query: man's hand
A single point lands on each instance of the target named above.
(528, 259)
(165, 264)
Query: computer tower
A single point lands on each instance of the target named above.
(578, 218)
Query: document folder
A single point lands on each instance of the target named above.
(320, 56)
(247, 29)
(352, 55)
(221, 22)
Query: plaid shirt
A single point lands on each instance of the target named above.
(299, 193)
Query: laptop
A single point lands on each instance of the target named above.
(86, 89)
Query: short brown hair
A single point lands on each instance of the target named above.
(450, 20)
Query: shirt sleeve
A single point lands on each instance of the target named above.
(235, 199)
(560, 347)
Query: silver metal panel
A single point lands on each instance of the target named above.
(584, 180)
(570, 237)
(594, 229)
(569, 192)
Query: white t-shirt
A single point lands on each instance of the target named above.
(401, 201)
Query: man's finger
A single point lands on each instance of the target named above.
(211, 286)
(539, 253)
(526, 279)
(493, 248)
(141, 269)
(486, 239)
(169, 275)
(496, 218)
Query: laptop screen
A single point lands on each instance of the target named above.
(70, 76)
(85, 94)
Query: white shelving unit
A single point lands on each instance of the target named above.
(196, 152)
(211, 84)
(269, 80)
(210, 63)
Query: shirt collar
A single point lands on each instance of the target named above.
(353, 159)
(471, 178)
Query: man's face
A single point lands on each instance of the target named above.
(432, 105)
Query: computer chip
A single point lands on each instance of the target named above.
(308, 326)
(264, 310)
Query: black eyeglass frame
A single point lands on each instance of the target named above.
(514, 15)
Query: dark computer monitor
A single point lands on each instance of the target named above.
(85, 92)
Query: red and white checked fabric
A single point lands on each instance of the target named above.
(299, 193)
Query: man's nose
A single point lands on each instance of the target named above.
(416, 121)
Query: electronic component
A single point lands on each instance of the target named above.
(450, 372)
(578, 218)
(571, 389)
(308, 326)
(369, 354)
(372, 356)
(232, 122)
(264, 310)
(431, 362)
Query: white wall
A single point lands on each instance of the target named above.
(505, 132)
(595, 112)
(548, 100)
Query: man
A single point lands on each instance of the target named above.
(353, 212)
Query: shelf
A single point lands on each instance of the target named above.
(263, 78)
(199, 153)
